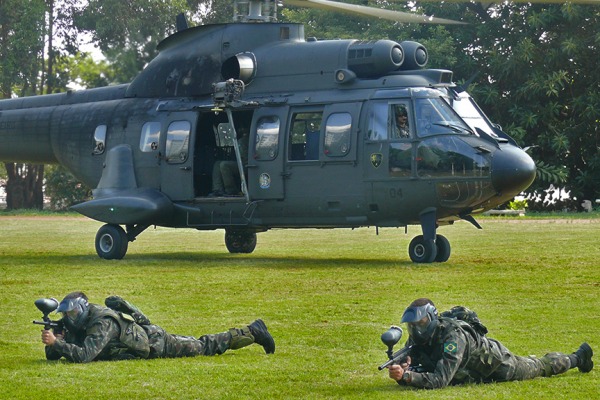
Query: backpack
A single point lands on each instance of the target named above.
(117, 303)
(469, 316)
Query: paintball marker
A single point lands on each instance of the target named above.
(46, 306)
(390, 338)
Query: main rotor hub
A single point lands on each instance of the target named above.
(255, 11)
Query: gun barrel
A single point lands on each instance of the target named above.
(396, 358)
(385, 364)
(47, 324)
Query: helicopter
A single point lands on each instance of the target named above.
(324, 149)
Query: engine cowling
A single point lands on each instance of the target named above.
(415, 55)
(369, 59)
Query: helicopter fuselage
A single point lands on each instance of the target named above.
(325, 149)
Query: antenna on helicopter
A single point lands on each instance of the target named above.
(181, 22)
(255, 10)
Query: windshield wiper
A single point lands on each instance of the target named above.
(454, 127)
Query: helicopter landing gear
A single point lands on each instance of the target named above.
(240, 240)
(421, 250)
(429, 246)
(443, 248)
(111, 242)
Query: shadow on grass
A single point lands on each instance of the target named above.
(214, 260)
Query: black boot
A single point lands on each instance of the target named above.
(584, 355)
(262, 336)
(117, 303)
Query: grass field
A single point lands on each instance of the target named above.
(326, 295)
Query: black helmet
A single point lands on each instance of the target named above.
(75, 309)
(401, 111)
(422, 319)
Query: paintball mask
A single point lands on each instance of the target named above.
(421, 322)
(75, 312)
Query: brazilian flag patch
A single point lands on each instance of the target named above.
(450, 347)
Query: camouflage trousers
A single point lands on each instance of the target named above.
(166, 345)
(517, 368)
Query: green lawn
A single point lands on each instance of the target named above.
(326, 295)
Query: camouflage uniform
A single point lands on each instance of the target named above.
(457, 354)
(111, 335)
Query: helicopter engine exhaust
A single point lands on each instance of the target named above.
(415, 55)
(370, 59)
(241, 66)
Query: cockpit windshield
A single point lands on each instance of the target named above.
(464, 105)
(436, 117)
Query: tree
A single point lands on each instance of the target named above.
(63, 189)
(21, 46)
(539, 79)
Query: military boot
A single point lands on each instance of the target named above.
(262, 336)
(118, 304)
(240, 338)
(584, 358)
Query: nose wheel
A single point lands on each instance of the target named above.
(425, 251)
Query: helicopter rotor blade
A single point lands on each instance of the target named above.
(371, 11)
(590, 2)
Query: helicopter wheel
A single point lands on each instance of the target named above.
(443, 248)
(111, 242)
(421, 250)
(240, 240)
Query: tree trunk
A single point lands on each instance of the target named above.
(24, 186)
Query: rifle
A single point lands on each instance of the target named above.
(390, 338)
(46, 306)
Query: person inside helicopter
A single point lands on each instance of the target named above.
(226, 174)
(401, 130)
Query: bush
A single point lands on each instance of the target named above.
(63, 189)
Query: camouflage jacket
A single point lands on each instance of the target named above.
(106, 335)
(456, 354)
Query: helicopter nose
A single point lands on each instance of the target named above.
(512, 171)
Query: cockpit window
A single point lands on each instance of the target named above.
(449, 156)
(472, 115)
(436, 117)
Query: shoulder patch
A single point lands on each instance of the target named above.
(450, 347)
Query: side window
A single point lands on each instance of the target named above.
(304, 136)
(99, 139)
(150, 136)
(178, 138)
(338, 130)
(378, 121)
(267, 138)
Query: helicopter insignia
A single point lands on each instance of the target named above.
(264, 181)
(376, 159)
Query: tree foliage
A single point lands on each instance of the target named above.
(63, 189)
(539, 80)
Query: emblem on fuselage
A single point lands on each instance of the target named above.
(264, 180)
(376, 159)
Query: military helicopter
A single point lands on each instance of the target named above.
(324, 146)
